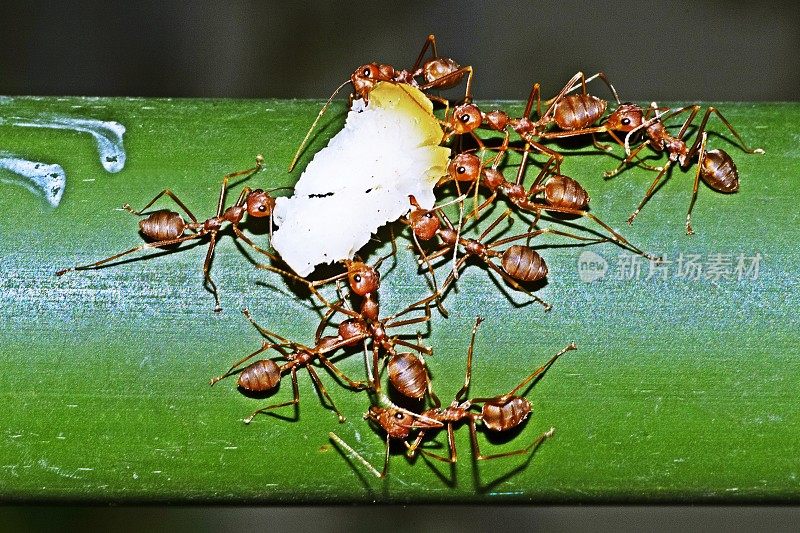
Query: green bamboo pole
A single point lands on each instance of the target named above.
(682, 389)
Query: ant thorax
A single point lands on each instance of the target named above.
(389, 149)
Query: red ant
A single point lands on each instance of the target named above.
(265, 375)
(437, 73)
(571, 113)
(498, 413)
(715, 167)
(410, 372)
(167, 228)
(551, 192)
(518, 263)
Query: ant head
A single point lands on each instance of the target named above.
(466, 118)
(363, 278)
(366, 76)
(260, 203)
(465, 167)
(625, 118)
(424, 223)
(395, 422)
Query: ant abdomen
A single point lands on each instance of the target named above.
(261, 376)
(162, 225)
(563, 191)
(719, 171)
(502, 417)
(408, 375)
(438, 68)
(524, 263)
(578, 111)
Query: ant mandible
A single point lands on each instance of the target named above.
(167, 228)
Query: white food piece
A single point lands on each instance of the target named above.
(389, 149)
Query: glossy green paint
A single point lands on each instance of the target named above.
(681, 389)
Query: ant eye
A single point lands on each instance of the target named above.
(428, 215)
(357, 278)
(262, 208)
(399, 416)
(464, 118)
(625, 121)
(461, 170)
(367, 72)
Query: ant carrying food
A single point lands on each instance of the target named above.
(167, 228)
(265, 375)
(499, 413)
(437, 73)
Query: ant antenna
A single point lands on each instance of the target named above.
(319, 116)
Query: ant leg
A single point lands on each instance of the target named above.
(430, 42)
(391, 323)
(157, 244)
(295, 401)
(650, 192)
(232, 370)
(743, 146)
(534, 95)
(310, 286)
(418, 347)
(626, 161)
(357, 385)
(454, 76)
(421, 251)
(468, 375)
(212, 245)
(314, 124)
(269, 335)
(536, 233)
(473, 432)
(338, 440)
(616, 237)
(165, 192)
(545, 172)
(250, 243)
(504, 398)
(451, 443)
(701, 157)
(324, 322)
(554, 101)
(321, 388)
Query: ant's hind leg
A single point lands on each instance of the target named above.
(165, 192)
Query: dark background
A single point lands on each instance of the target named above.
(712, 50)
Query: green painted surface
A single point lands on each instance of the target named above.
(682, 389)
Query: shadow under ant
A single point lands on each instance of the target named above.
(482, 488)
